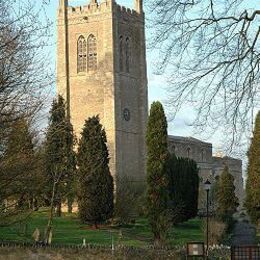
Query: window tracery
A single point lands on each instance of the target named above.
(92, 53)
(82, 54)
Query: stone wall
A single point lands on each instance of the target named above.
(107, 91)
(209, 165)
(131, 93)
(199, 151)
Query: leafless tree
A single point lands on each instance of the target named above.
(25, 77)
(209, 51)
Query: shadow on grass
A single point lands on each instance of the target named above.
(68, 230)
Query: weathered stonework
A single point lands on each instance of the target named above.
(109, 90)
(209, 166)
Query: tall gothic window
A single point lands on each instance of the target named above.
(127, 55)
(82, 54)
(188, 152)
(92, 52)
(121, 53)
(203, 157)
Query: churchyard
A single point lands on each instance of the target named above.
(95, 145)
(68, 230)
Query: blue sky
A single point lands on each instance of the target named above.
(157, 85)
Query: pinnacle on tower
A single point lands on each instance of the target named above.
(139, 6)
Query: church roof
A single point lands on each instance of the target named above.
(186, 139)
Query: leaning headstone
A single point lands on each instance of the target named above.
(50, 237)
(36, 235)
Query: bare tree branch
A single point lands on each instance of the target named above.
(209, 52)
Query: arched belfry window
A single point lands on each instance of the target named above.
(188, 152)
(203, 155)
(92, 52)
(121, 53)
(82, 54)
(127, 54)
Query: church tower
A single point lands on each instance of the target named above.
(101, 70)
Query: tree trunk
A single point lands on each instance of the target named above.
(58, 212)
(70, 204)
(96, 225)
(49, 225)
(35, 204)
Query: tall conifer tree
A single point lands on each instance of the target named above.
(157, 178)
(60, 160)
(253, 175)
(227, 202)
(95, 194)
(183, 188)
(19, 159)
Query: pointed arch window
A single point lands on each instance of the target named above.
(203, 155)
(127, 55)
(121, 53)
(92, 53)
(82, 54)
(188, 152)
(173, 148)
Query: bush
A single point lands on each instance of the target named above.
(129, 193)
(217, 230)
(183, 188)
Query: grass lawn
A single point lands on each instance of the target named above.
(69, 230)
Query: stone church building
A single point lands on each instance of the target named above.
(101, 70)
(209, 165)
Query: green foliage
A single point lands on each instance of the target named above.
(217, 230)
(95, 184)
(19, 173)
(18, 160)
(157, 178)
(128, 192)
(227, 202)
(60, 160)
(183, 188)
(253, 175)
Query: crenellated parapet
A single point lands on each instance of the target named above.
(95, 8)
(127, 15)
(126, 11)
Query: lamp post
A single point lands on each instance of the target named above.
(207, 186)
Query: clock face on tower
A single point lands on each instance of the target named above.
(126, 114)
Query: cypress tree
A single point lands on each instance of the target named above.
(183, 188)
(95, 195)
(253, 175)
(60, 163)
(157, 177)
(194, 188)
(227, 202)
